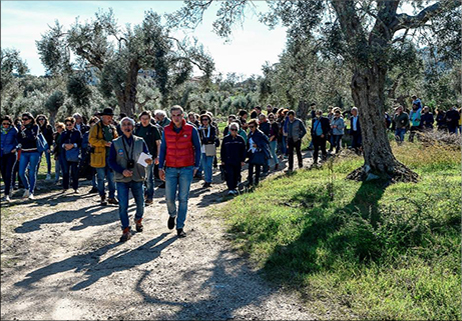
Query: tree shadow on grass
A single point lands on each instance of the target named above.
(327, 236)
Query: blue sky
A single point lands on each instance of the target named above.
(23, 22)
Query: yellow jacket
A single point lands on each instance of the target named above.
(96, 140)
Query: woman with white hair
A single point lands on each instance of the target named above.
(161, 118)
(233, 153)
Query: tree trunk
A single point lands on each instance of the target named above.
(368, 94)
(302, 111)
(126, 97)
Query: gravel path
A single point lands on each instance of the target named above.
(61, 260)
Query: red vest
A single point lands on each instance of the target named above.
(180, 148)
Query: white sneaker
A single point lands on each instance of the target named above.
(7, 198)
(26, 194)
(48, 177)
(31, 197)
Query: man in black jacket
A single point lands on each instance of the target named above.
(452, 119)
(319, 133)
(355, 130)
(233, 153)
(151, 136)
(427, 119)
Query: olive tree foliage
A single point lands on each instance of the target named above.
(11, 64)
(364, 35)
(119, 53)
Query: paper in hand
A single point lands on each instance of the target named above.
(142, 159)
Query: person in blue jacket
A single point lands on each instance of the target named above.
(8, 142)
(71, 139)
(258, 151)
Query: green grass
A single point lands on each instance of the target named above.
(380, 254)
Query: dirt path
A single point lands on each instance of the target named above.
(61, 260)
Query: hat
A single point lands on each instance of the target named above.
(107, 112)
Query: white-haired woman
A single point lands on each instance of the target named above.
(233, 153)
(161, 118)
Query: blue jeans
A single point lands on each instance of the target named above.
(93, 178)
(284, 145)
(150, 181)
(123, 196)
(48, 158)
(109, 174)
(69, 169)
(399, 133)
(207, 162)
(178, 179)
(57, 169)
(32, 159)
(273, 146)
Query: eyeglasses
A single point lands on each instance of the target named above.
(68, 125)
(233, 129)
(251, 126)
(40, 119)
(6, 124)
(25, 119)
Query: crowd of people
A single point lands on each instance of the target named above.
(130, 155)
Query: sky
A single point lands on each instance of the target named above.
(251, 45)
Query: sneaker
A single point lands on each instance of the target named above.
(139, 226)
(7, 198)
(171, 223)
(276, 167)
(113, 201)
(48, 177)
(300, 165)
(162, 185)
(235, 192)
(230, 192)
(206, 185)
(126, 235)
(76, 191)
(180, 233)
(31, 197)
(26, 194)
(93, 190)
(103, 201)
(148, 201)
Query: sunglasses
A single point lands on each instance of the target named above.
(6, 124)
(41, 119)
(25, 119)
(68, 125)
(233, 129)
(204, 119)
(251, 126)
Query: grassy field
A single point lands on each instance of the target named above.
(376, 253)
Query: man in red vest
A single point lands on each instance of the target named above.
(180, 155)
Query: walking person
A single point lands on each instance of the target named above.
(415, 121)
(233, 153)
(258, 151)
(80, 124)
(400, 124)
(441, 119)
(100, 138)
(355, 131)
(15, 177)
(57, 149)
(71, 140)
(86, 155)
(295, 131)
(47, 132)
(208, 135)
(8, 141)
(129, 174)
(337, 126)
(319, 131)
(180, 154)
(265, 127)
(146, 130)
(427, 119)
(452, 120)
(161, 118)
(273, 138)
(30, 155)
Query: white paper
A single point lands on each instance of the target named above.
(142, 159)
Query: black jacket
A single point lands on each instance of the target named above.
(149, 139)
(71, 137)
(427, 120)
(47, 132)
(233, 150)
(325, 125)
(358, 126)
(265, 128)
(452, 118)
(28, 137)
(203, 133)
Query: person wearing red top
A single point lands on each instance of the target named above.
(180, 153)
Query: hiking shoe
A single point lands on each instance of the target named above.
(180, 233)
(93, 190)
(113, 201)
(126, 235)
(206, 185)
(276, 167)
(26, 194)
(148, 201)
(171, 222)
(103, 201)
(139, 226)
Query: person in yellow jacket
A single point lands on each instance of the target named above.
(100, 138)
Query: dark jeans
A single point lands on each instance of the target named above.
(7, 163)
(319, 143)
(257, 169)
(412, 133)
(356, 139)
(336, 140)
(123, 195)
(294, 145)
(232, 175)
(70, 169)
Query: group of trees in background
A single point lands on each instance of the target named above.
(339, 53)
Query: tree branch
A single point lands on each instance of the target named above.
(405, 21)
